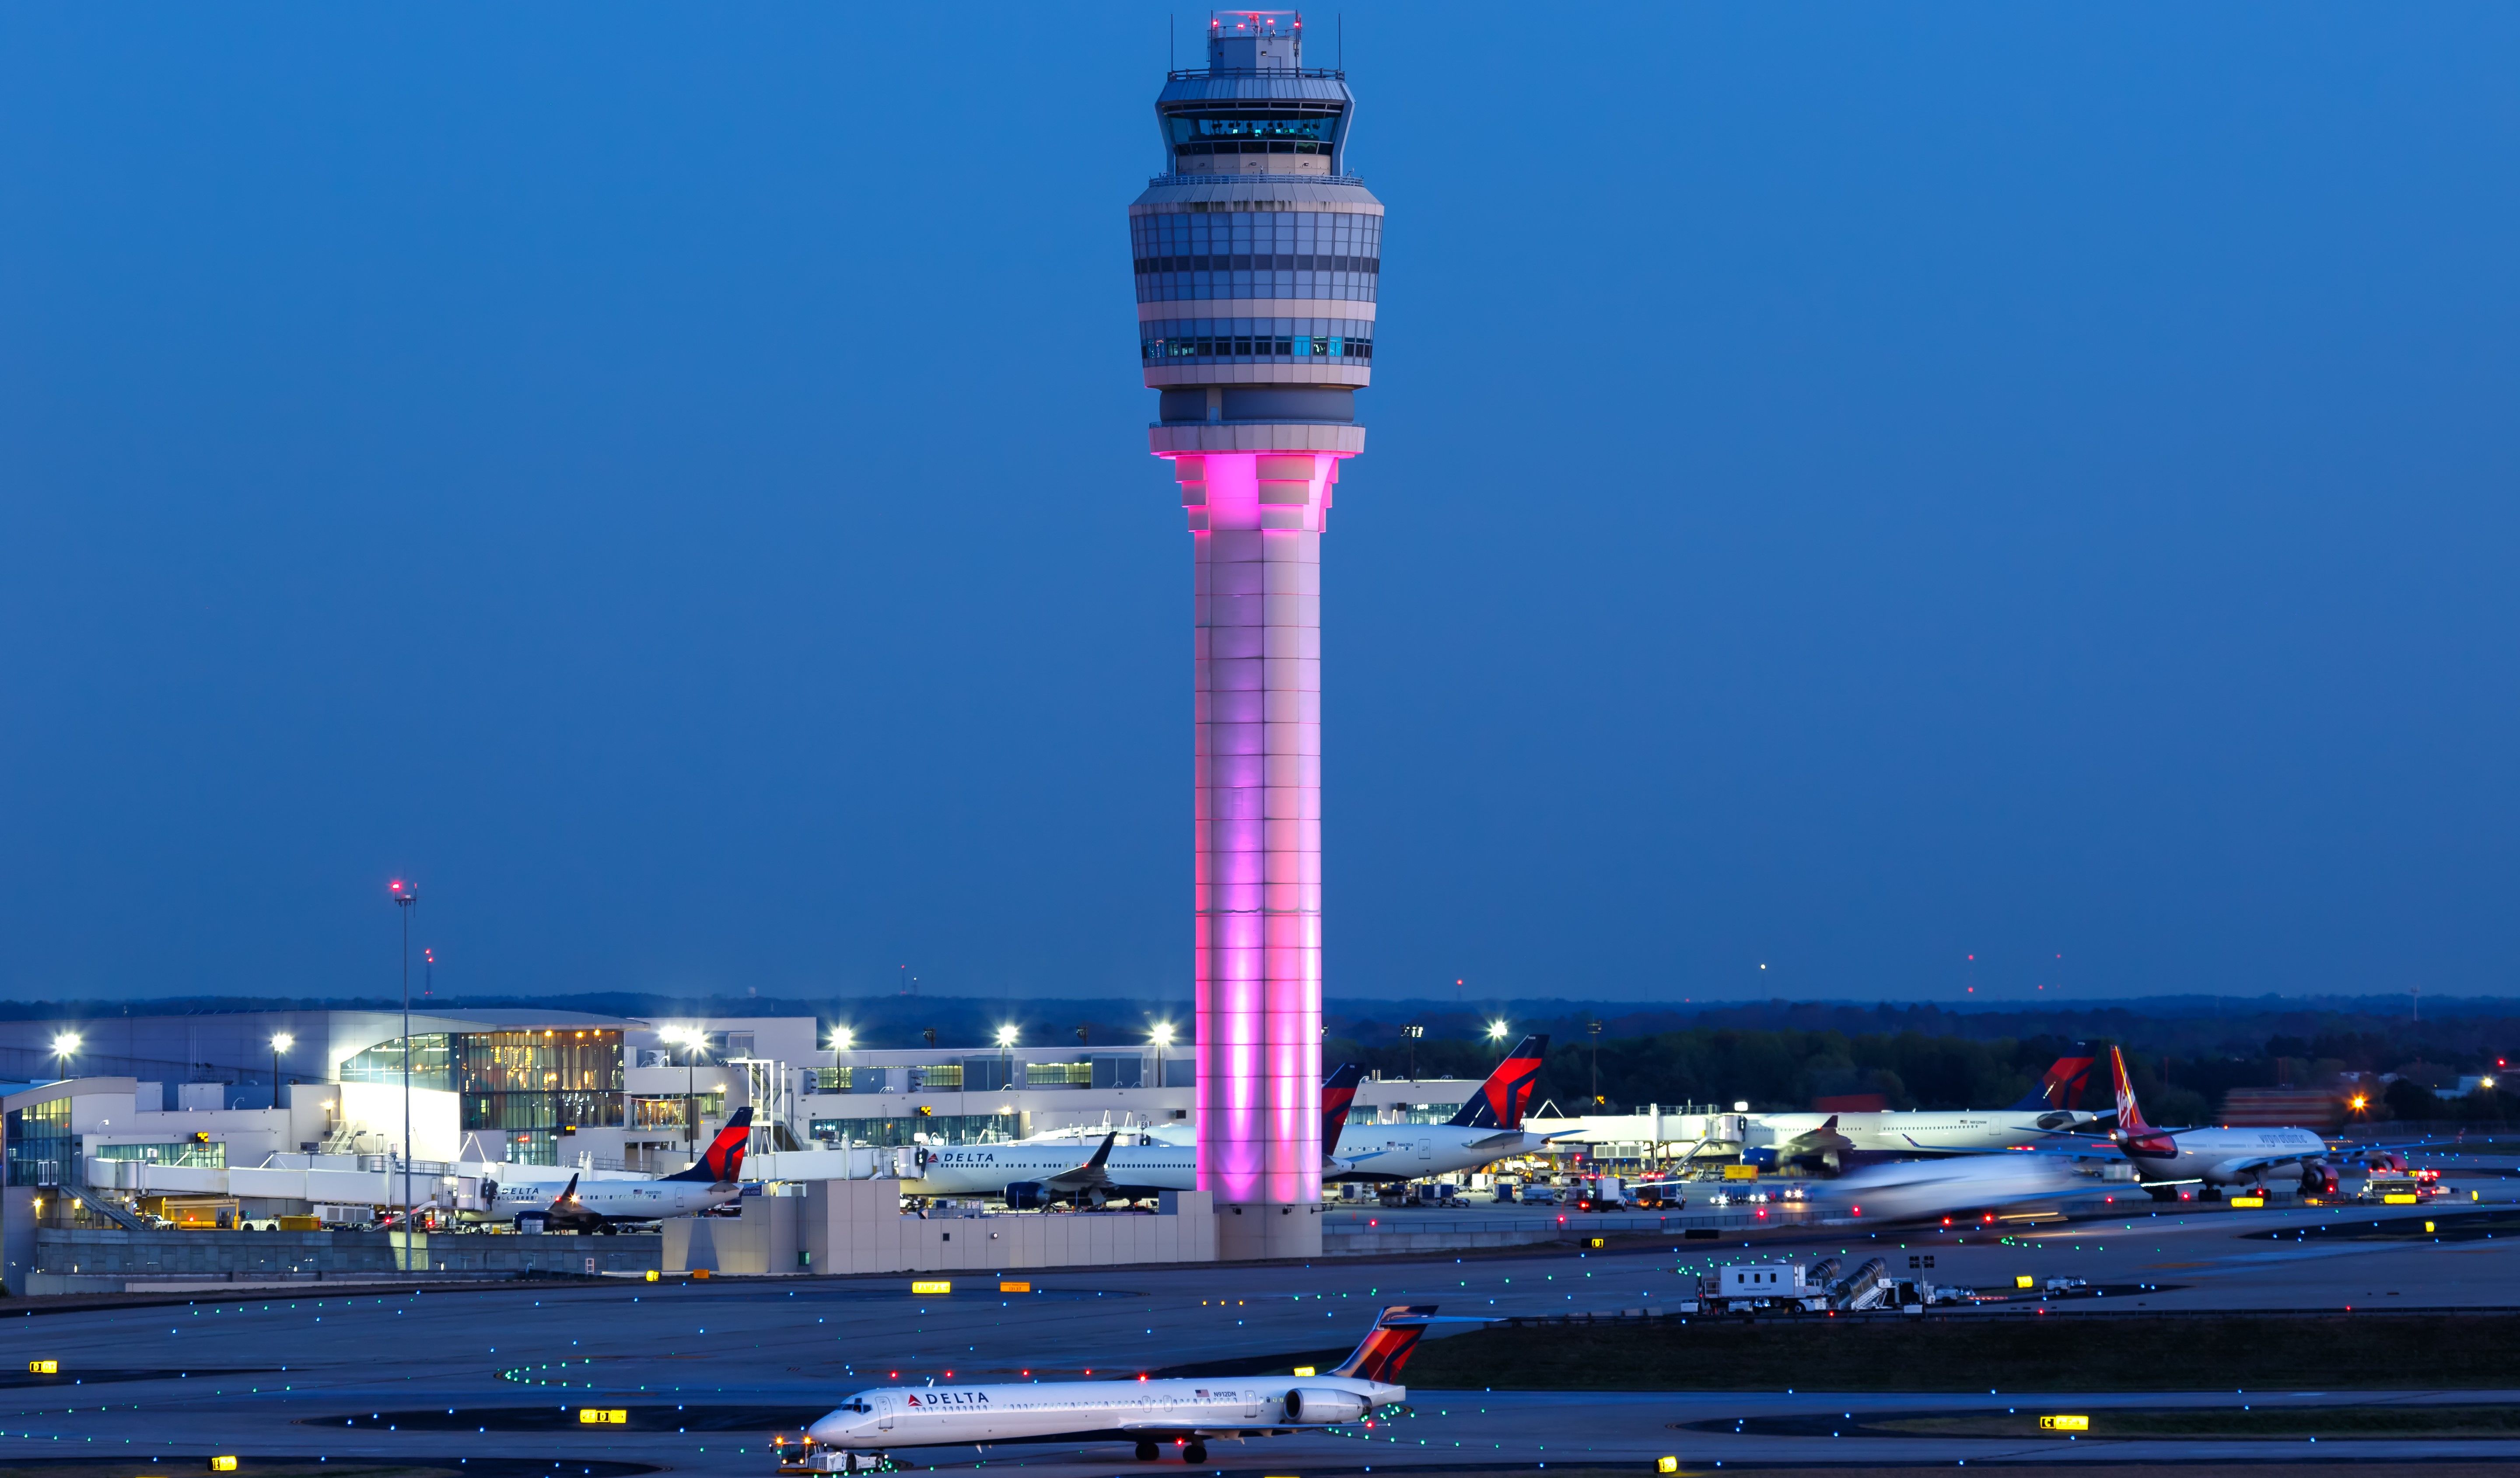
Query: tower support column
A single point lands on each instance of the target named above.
(1255, 520)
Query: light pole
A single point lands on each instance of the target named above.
(66, 1046)
(1594, 1027)
(1162, 1036)
(1496, 1031)
(404, 896)
(1410, 1034)
(1007, 1057)
(690, 1039)
(281, 1041)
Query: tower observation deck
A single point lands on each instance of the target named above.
(1256, 256)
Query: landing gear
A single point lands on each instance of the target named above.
(1146, 1451)
(1194, 1451)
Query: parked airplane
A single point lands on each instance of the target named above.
(602, 1205)
(1036, 1173)
(1188, 1413)
(1488, 1128)
(2049, 1112)
(2165, 1159)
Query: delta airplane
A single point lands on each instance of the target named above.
(602, 1205)
(1188, 1413)
(1038, 1173)
(2052, 1111)
(1488, 1128)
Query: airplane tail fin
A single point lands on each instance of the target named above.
(723, 1160)
(1507, 1092)
(2131, 1124)
(1103, 1152)
(1386, 1346)
(1339, 1090)
(2063, 1085)
(567, 1193)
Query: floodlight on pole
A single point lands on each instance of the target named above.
(66, 1046)
(692, 1039)
(281, 1041)
(404, 896)
(1497, 1031)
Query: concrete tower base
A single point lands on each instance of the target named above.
(1246, 1233)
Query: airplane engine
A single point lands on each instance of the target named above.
(1027, 1195)
(1323, 1407)
(2319, 1177)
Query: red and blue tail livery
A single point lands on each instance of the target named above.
(722, 1163)
(1505, 1096)
(1387, 1345)
(1338, 1093)
(2064, 1083)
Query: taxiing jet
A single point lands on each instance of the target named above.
(1188, 1413)
(1489, 1128)
(603, 1205)
(1996, 1186)
(2165, 1159)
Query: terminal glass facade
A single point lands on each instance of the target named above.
(665, 1110)
(210, 1156)
(41, 1150)
(517, 1080)
(923, 1129)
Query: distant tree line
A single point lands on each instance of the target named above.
(1787, 1069)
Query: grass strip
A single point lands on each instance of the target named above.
(2224, 1352)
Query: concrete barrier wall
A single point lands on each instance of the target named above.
(61, 1252)
(857, 1227)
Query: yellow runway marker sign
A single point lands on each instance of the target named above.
(2064, 1423)
(933, 1286)
(43, 1368)
(602, 1416)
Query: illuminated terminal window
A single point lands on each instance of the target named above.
(923, 1129)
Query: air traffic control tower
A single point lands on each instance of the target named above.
(1256, 259)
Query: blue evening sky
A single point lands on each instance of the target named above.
(1849, 488)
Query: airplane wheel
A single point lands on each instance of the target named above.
(1195, 1452)
(1146, 1452)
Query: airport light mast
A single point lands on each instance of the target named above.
(1257, 258)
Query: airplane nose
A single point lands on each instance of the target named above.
(831, 1429)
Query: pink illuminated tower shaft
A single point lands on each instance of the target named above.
(1256, 527)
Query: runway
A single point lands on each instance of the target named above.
(303, 1377)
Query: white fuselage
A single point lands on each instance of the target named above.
(615, 1200)
(1227, 1405)
(1414, 1151)
(1928, 1131)
(989, 1169)
(2220, 1156)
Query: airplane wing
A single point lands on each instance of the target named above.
(1089, 1175)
